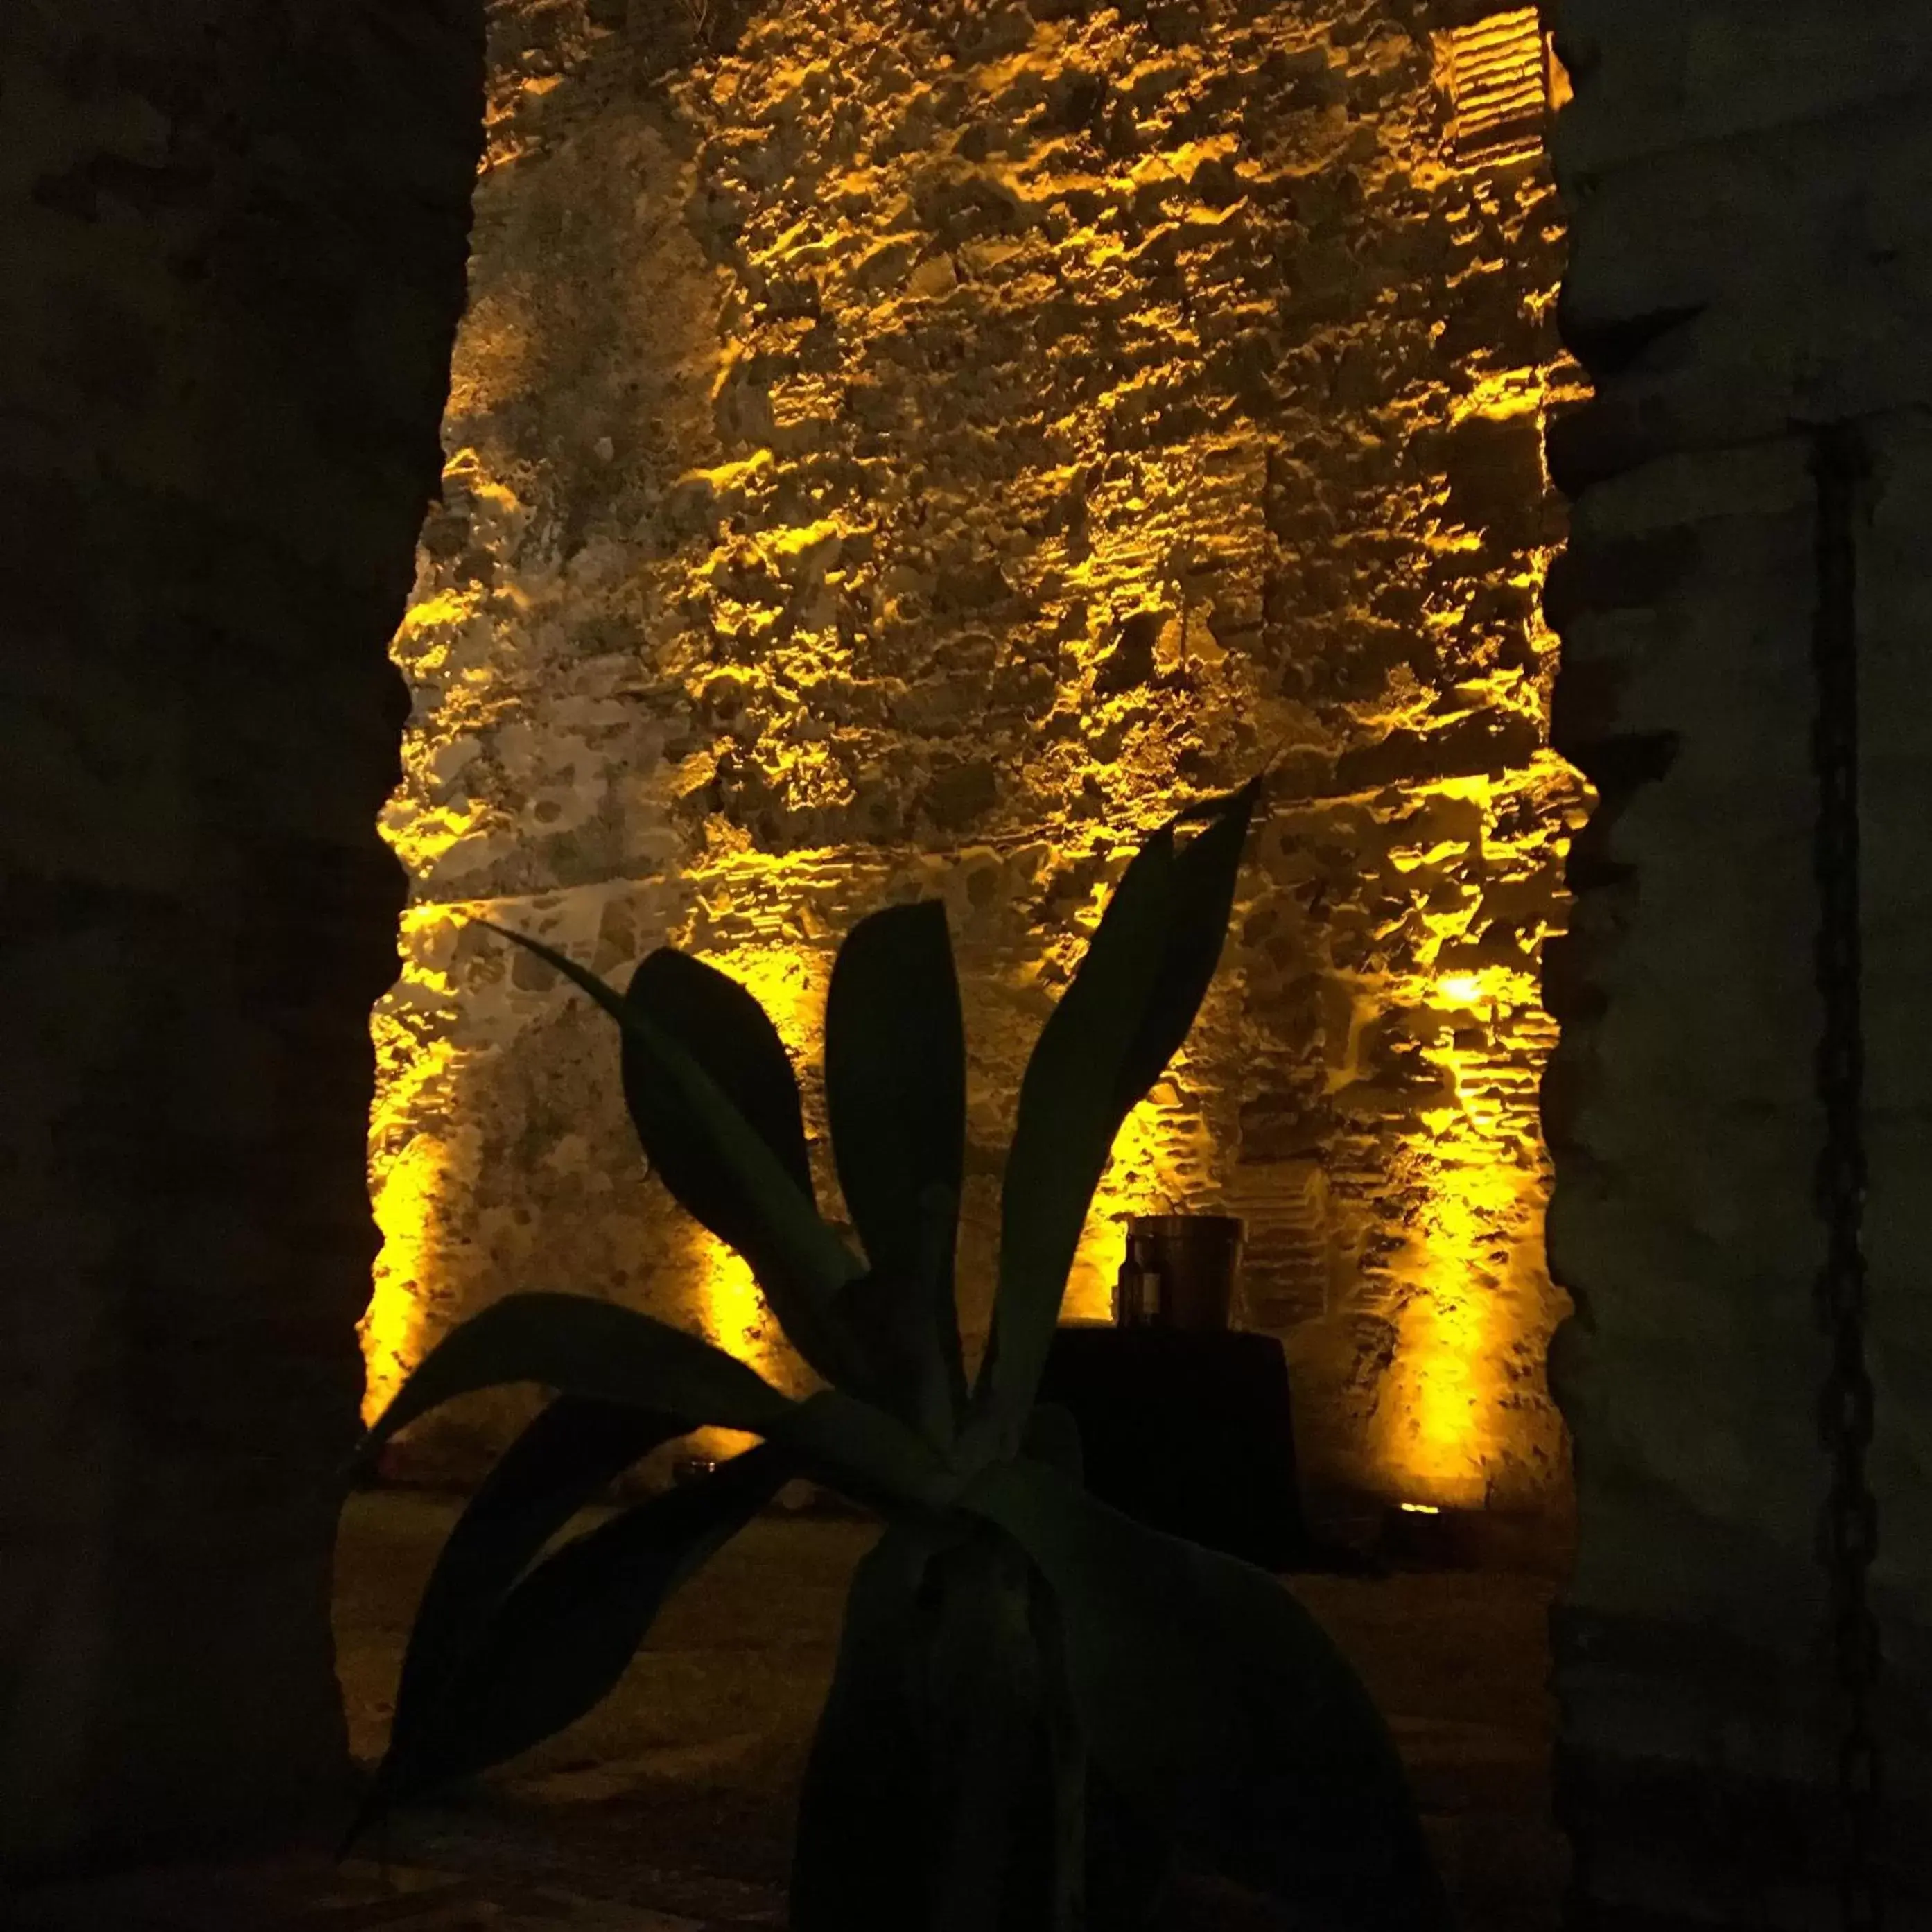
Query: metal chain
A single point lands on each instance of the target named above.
(1850, 1528)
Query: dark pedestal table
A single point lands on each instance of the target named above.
(1188, 1432)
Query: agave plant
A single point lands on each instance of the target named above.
(1040, 1708)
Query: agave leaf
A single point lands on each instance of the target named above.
(1129, 1007)
(1211, 1699)
(934, 1299)
(724, 1028)
(1001, 1862)
(558, 1464)
(562, 1638)
(862, 1853)
(584, 1347)
(869, 1455)
(594, 1349)
(900, 1368)
(929, 1800)
(895, 1093)
(1205, 868)
(1128, 1867)
(1065, 1744)
(1067, 1119)
(906, 1331)
(799, 1262)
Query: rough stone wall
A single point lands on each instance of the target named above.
(1748, 191)
(235, 241)
(897, 448)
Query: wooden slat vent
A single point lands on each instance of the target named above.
(1500, 81)
(1286, 1258)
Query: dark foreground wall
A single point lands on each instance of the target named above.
(1750, 193)
(235, 238)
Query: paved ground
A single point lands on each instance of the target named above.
(668, 1811)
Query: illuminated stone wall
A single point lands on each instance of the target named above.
(899, 449)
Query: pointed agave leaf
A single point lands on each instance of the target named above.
(906, 1331)
(1117, 1026)
(596, 1350)
(900, 1364)
(561, 1463)
(895, 1092)
(935, 1300)
(1205, 869)
(799, 1262)
(590, 1349)
(1068, 1114)
(730, 1035)
(1210, 1697)
(562, 1638)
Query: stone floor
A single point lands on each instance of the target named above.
(668, 1810)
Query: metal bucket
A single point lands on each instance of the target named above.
(1191, 1261)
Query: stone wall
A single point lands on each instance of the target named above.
(234, 246)
(1752, 253)
(900, 449)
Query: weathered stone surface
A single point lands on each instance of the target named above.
(1746, 261)
(235, 241)
(896, 450)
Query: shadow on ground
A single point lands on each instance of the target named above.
(668, 1810)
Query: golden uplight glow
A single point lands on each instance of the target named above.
(734, 1316)
(790, 982)
(1139, 1180)
(1447, 1414)
(405, 1198)
(413, 1168)
(1439, 1428)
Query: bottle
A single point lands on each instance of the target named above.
(1133, 1295)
